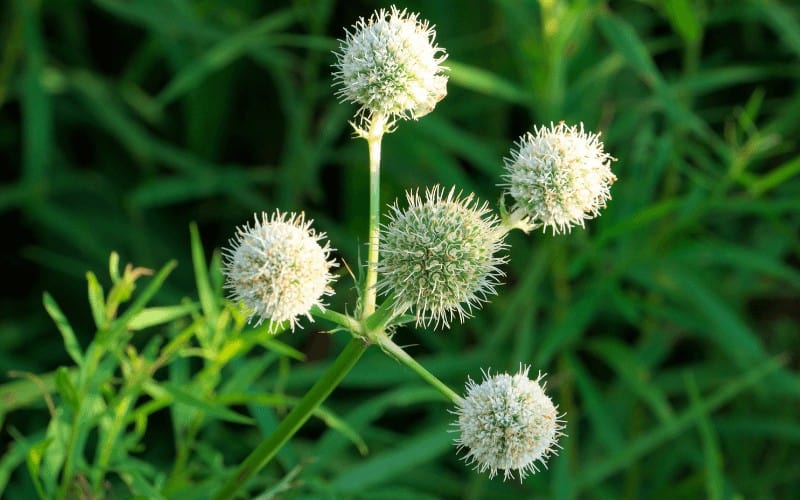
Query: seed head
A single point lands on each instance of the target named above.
(277, 268)
(558, 176)
(439, 255)
(507, 423)
(391, 65)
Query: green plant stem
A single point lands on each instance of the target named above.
(400, 355)
(343, 320)
(295, 419)
(374, 136)
(259, 457)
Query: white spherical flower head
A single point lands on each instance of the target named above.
(439, 256)
(391, 65)
(507, 423)
(559, 176)
(278, 268)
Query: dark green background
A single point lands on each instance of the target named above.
(123, 121)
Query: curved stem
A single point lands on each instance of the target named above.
(295, 419)
(400, 355)
(343, 320)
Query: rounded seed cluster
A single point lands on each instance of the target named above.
(507, 423)
(277, 268)
(559, 176)
(391, 65)
(438, 256)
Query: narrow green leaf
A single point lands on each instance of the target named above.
(36, 454)
(227, 180)
(484, 82)
(342, 427)
(153, 316)
(711, 451)
(141, 301)
(629, 367)
(567, 331)
(603, 424)
(282, 348)
(683, 15)
(726, 328)
(13, 458)
(96, 300)
(66, 388)
(783, 22)
(70, 341)
(626, 41)
(739, 257)
(113, 267)
(209, 408)
(204, 290)
(101, 101)
(411, 453)
(37, 119)
(776, 177)
(367, 412)
(164, 18)
(636, 449)
(223, 53)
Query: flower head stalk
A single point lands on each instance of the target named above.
(507, 423)
(559, 176)
(390, 65)
(278, 268)
(440, 255)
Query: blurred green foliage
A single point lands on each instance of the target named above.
(661, 324)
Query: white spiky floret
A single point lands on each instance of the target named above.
(507, 423)
(277, 268)
(559, 176)
(390, 64)
(439, 256)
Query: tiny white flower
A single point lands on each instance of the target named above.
(439, 256)
(391, 65)
(277, 268)
(558, 176)
(507, 423)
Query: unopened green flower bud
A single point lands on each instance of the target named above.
(439, 256)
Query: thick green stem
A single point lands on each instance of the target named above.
(295, 419)
(373, 137)
(347, 359)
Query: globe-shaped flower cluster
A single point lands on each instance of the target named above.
(558, 176)
(440, 255)
(507, 423)
(278, 268)
(391, 65)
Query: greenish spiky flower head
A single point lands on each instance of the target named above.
(558, 176)
(277, 268)
(390, 64)
(507, 423)
(439, 256)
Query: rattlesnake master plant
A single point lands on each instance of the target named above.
(277, 268)
(440, 255)
(507, 423)
(558, 176)
(390, 64)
